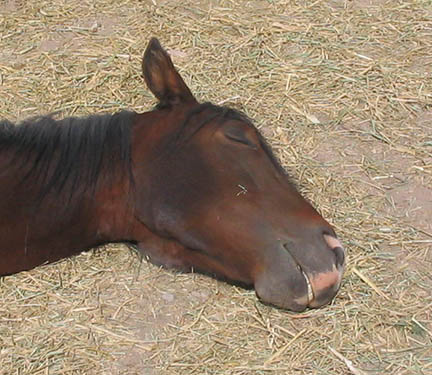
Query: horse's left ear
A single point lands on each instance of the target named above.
(162, 78)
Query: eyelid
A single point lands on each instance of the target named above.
(242, 140)
(237, 135)
(238, 139)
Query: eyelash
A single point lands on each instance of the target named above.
(238, 139)
(243, 141)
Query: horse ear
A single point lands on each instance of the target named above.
(161, 76)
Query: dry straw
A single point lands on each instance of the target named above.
(342, 89)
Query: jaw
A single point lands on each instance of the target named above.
(170, 253)
(284, 285)
(278, 279)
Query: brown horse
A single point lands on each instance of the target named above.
(192, 186)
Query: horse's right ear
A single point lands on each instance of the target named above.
(162, 78)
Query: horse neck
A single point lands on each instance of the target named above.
(115, 202)
(113, 210)
(119, 203)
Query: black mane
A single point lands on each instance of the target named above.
(70, 152)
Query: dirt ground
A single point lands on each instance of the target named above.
(343, 92)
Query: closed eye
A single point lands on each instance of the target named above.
(239, 139)
(236, 135)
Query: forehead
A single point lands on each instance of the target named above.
(212, 113)
(207, 113)
(206, 116)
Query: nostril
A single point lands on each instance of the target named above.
(340, 256)
(337, 248)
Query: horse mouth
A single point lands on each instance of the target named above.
(310, 293)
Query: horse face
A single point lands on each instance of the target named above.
(219, 202)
